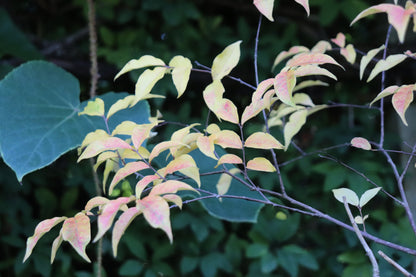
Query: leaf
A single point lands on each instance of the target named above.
(384, 65)
(265, 7)
(170, 187)
(224, 183)
(402, 99)
(143, 183)
(261, 164)
(108, 212)
(351, 196)
(51, 105)
(339, 40)
(312, 69)
(309, 83)
(121, 104)
(42, 228)
(305, 4)
(227, 139)
(284, 82)
(262, 88)
(303, 99)
(386, 92)
(206, 146)
(229, 159)
(94, 108)
(349, 53)
(360, 142)
(95, 202)
(321, 47)
(96, 147)
(55, 245)
(121, 225)
(127, 170)
(144, 61)
(179, 163)
(311, 58)
(76, 230)
(140, 133)
(368, 195)
(226, 61)
(296, 121)
(367, 58)
(262, 140)
(156, 212)
(147, 81)
(180, 74)
(162, 146)
(285, 54)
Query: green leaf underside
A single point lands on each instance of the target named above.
(36, 131)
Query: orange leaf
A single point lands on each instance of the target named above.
(260, 164)
(402, 99)
(265, 7)
(360, 142)
(121, 225)
(284, 82)
(96, 147)
(128, 169)
(77, 231)
(262, 140)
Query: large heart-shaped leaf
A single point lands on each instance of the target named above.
(39, 118)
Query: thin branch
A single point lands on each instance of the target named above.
(396, 265)
(256, 47)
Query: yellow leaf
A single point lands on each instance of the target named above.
(170, 187)
(265, 7)
(321, 47)
(121, 104)
(284, 82)
(262, 140)
(144, 61)
(312, 69)
(384, 65)
(124, 128)
(311, 58)
(94, 108)
(164, 145)
(261, 164)
(76, 230)
(227, 139)
(147, 80)
(349, 53)
(296, 121)
(104, 157)
(386, 92)
(286, 54)
(128, 169)
(206, 146)
(93, 136)
(367, 58)
(96, 147)
(180, 74)
(226, 61)
(229, 159)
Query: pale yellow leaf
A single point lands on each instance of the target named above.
(144, 61)
(147, 81)
(384, 65)
(229, 159)
(124, 128)
(367, 58)
(265, 7)
(386, 92)
(180, 74)
(349, 53)
(94, 108)
(127, 102)
(262, 140)
(402, 99)
(296, 121)
(286, 54)
(226, 61)
(261, 164)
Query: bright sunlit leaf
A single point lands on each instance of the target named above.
(260, 164)
(96, 147)
(284, 82)
(121, 225)
(402, 99)
(127, 170)
(368, 195)
(77, 231)
(180, 74)
(262, 140)
(361, 143)
(384, 65)
(226, 61)
(350, 196)
(147, 81)
(94, 108)
(265, 7)
(144, 61)
(121, 104)
(296, 121)
(227, 139)
(229, 159)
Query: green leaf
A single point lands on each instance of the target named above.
(188, 264)
(44, 102)
(130, 268)
(368, 195)
(256, 250)
(268, 263)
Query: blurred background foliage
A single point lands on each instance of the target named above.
(281, 243)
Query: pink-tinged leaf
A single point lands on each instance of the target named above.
(180, 74)
(170, 187)
(55, 246)
(397, 16)
(261, 164)
(212, 93)
(106, 217)
(296, 121)
(349, 53)
(121, 104)
(252, 110)
(179, 163)
(104, 157)
(93, 136)
(386, 92)
(128, 169)
(156, 212)
(42, 228)
(229, 159)
(367, 58)
(227, 139)
(164, 145)
(321, 47)
(140, 134)
(311, 58)
(262, 88)
(227, 111)
(284, 82)
(124, 128)
(175, 199)
(262, 140)
(226, 61)
(77, 231)
(143, 183)
(190, 144)
(95, 202)
(286, 54)
(305, 4)
(206, 146)
(121, 225)
(384, 65)
(339, 40)
(144, 61)
(311, 69)
(96, 147)
(361, 143)
(265, 7)
(147, 81)
(221, 107)
(408, 52)
(402, 99)
(94, 108)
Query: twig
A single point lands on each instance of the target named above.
(383, 78)
(396, 265)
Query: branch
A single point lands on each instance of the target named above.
(396, 265)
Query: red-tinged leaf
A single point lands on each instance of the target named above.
(147, 81)
(339, 40)
(206, 146)
(93, 136)
(156, 212)
(144, 61)
(305, 4)
(321, 47)
(227, 111)
(349, 53)
(312, 69)
(384, 65)
(180, 74)
(284, 82)
(55, 246)
(128, 169)
(175, 199)
(261, 164)
(141, 133)
(226, 61)
(77, 231)
(170, 187)
(229, 159)
(311, 58)
(265, 7)
(397, 16)
(95, 202)
(296, 121)
(361, 143)
(42, 228)
(143, 183)
(164, 145)
(121, 104)
(121, 225)
(386, 92)
(94, 108)
(262, 140)
(368, 58)
(402, 99)
(96, 147)
(106, 217)
(227, 139)
(262, 88)
(286, 54)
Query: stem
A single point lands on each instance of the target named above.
(383, 78)
(396, 265)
